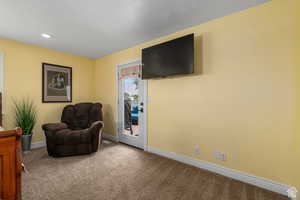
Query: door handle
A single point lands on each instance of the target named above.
(141, 109)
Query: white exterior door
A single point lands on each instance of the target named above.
(132, 94)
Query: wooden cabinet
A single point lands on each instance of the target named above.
(10, 165)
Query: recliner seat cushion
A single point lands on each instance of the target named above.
(72, 137)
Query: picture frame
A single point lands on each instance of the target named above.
(56, 83)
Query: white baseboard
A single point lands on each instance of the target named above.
(234, 174)
(109, 137)
(37, 145)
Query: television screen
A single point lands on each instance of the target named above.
(170, 58)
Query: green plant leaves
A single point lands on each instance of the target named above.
(25, 115)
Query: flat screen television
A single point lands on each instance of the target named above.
(174, 57)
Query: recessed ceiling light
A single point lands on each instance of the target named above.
(45, 35)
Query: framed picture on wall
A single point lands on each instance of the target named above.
(57, 83)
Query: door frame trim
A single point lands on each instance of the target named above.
(2, 71)
(117, 123)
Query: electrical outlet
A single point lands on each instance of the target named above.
(223, 156)
(220, 156)
(197, 150)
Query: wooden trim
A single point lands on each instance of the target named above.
(12, 159)
(19, 161)
(8, 133)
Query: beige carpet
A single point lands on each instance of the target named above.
(122, 172)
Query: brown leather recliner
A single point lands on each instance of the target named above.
(78, 133)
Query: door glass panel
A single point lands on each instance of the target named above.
(131, 109)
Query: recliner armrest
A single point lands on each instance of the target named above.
(96, 128)
(54, 126)
(96, 132)
(96, 123)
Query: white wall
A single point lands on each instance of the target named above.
(2, 78)
(1, 71)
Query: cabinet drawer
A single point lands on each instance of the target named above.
(7, 168)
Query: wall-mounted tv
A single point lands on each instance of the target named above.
(174, 57)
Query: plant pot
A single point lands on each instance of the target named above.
(26, 143)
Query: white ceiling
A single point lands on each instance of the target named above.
(94, 28)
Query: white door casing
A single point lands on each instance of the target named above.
(142, 140)
(1, 72)
(2, 79)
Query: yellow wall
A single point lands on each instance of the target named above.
(296, 98)
(245, 102)
(23, 78)
(241, 104)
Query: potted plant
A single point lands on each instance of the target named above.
(25, 118)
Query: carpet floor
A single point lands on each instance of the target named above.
(120, 172)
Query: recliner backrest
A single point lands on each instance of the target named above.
(81, 115)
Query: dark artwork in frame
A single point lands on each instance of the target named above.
(57, 83)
